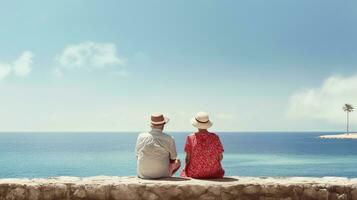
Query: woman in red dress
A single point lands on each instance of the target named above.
(204, 151)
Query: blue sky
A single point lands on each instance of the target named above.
(106, 65)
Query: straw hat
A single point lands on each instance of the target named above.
(159, 119)
(201, 121)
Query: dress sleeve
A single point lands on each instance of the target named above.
(188, 145)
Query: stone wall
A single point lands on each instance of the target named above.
(117, 188)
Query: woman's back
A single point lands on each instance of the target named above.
(204, 150)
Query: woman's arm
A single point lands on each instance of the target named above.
(220, 157)
(187, 160)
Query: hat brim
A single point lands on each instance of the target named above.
(200, 125)
(166, 120)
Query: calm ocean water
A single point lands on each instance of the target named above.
(246, 154)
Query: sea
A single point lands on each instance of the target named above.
(276, 154)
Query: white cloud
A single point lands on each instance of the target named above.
(325, 102)
(22, 66)
(5, 70)
(88, 55)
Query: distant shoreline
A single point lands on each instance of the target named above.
(340, 136)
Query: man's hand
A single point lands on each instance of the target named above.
(178, 161)
(174, 166)
(175, 161)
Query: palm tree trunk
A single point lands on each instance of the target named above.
(348, 121)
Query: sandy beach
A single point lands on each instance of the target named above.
(340, 136)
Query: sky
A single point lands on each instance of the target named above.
(90, 65)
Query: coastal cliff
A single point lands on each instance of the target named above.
(131, 188)
(340, 136)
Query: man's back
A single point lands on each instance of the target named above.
(154, 151)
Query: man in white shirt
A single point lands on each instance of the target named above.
(156, 151)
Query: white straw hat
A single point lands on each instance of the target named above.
(201, 121)
(159, 119)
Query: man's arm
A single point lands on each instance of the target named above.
(137, 146)
(173, 152)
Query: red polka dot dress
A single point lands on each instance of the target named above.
(204, 150)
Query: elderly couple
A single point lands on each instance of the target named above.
(157, 157)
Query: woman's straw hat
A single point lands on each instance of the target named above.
(159, 119)
(201, 121)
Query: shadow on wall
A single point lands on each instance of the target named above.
(225, 179)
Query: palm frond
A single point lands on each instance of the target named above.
(348, 107)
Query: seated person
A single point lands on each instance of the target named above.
(156, 151)
(204, 151)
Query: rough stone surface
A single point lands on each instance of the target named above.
(354, 194)
(131, 188)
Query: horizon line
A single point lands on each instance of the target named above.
(240, 131)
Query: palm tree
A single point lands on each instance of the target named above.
(348, 108)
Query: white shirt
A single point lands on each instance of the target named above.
(154, 151)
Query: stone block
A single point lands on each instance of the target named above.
(252, 189)
(97, 192)
(322, 194)
(150, 196)
(79, 193)
(16, 193)
(354, 194)
(124, 192)
(62, 192)
(342, 197)
(270, 189)
(34, 192)
(310, 193)
(48, 192)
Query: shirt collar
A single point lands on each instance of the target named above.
(156, 130)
